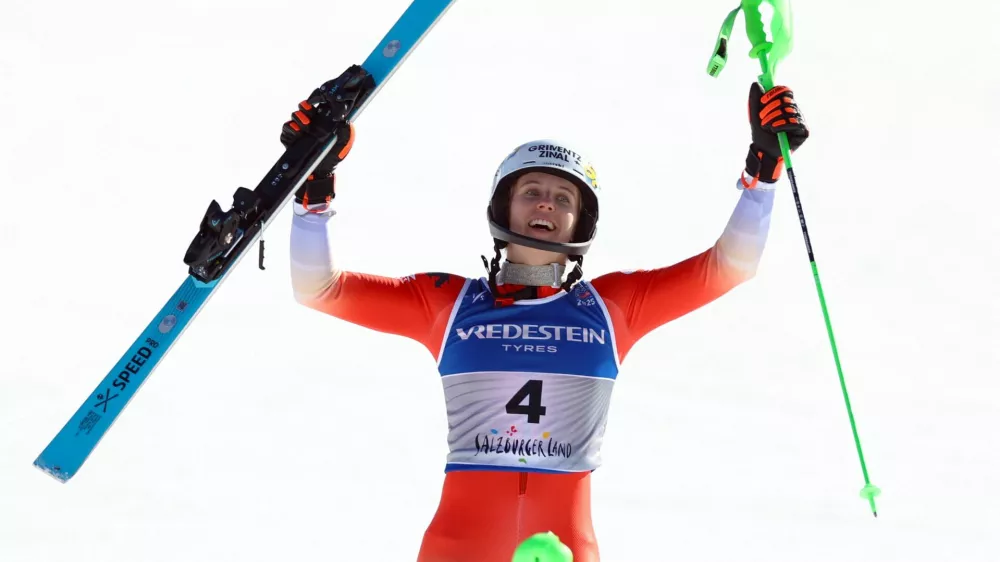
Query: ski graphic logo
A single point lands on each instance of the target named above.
(104, 398)
(167, 324)
(134, 365)
(391, 49)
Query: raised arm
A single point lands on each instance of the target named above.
(639, 302)
(417, 306)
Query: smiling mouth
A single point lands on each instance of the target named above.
(541, 224)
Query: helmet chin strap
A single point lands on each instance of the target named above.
(507, 235)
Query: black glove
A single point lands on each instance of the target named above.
(317, 192)
(333, 101)
(770, 113)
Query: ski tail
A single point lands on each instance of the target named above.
(250, 214)
(67, 452)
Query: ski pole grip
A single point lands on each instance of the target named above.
(769, 52)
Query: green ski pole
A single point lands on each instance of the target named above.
(769, 54)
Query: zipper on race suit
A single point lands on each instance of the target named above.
(522, 489)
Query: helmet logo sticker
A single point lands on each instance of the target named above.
(554, 151)
(591, 174)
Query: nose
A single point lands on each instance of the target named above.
(545, 203)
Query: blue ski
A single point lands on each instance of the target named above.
(224, 239)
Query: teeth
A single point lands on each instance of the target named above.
(542, 222)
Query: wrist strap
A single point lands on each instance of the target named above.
(761, 166)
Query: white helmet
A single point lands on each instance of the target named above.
(551, 157)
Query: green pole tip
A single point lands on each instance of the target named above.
(870, 492)
(542, 547)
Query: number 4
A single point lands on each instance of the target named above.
(534, 410)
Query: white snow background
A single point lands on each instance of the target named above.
(272, 432)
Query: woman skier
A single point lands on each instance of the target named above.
(528, 355)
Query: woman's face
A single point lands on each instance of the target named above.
(544, 206)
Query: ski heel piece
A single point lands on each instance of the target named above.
(220, 231)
